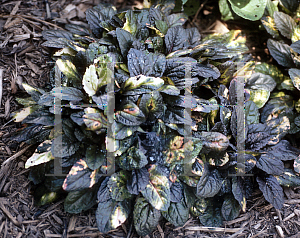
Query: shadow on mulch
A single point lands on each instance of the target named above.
(23, 59)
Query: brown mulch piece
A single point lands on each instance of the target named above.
(23, 59)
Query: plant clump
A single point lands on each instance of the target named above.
(152, 63)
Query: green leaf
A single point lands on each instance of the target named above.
(157, 191)
(194, 36)
(270, 164)
(176, 68)
(35, 93)
(178, 151)
(260, 86)
(77, 117)
(77, 29)
(25, 112)
(40, 116)
(111, 214)
(290, 5)
(284, 151)
(214, 141)
(251, 113)
(122, 145)
(63, 146)
(288, 178)
(259, 97)
(33, 134)
(230, 208)
(211, 217)
(296, 34)
(131, 22)
(189, 195)
(103, 214)
(54, 34)
(285, 24)
(175, 39)
(238, 191)
(176, 19)
(94, 119)
(122, 131)
(179, 53)
(226, 11)
(104, 194)
(130, 114)
(152, 105)
(120, 213)
(142, 84)
(43, 196)
(296, 46)
(67, 93)
(281, 53)
(270, 133)
(199, 206)
(125, 40)
(270, 26)
(162, 26)
(209, 184)
(295, 76)
(176, 115)
(169, 89)
(134, 158)
(176, 191)
(145, 217)
(41, 155)
(95, 157)
(26, 102)
(272, 191)
(252, 10)
(82, 200)
(94, 78)
(261, 81)
(277, 107)
(117, 186)
(68, 69)
(191, 181)
(80, 177)
(205, 106)
(145, 63)
(272, 6)
(208, 211)
(138, 180)
(177, 213)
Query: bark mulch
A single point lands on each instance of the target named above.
(23, 59)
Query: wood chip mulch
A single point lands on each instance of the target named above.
(23, 59)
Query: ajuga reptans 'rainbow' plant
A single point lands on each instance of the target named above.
(158, 173)
(282, 23)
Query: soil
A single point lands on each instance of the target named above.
(23, 59)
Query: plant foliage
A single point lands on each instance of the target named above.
(249, 9)
(158, 172)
